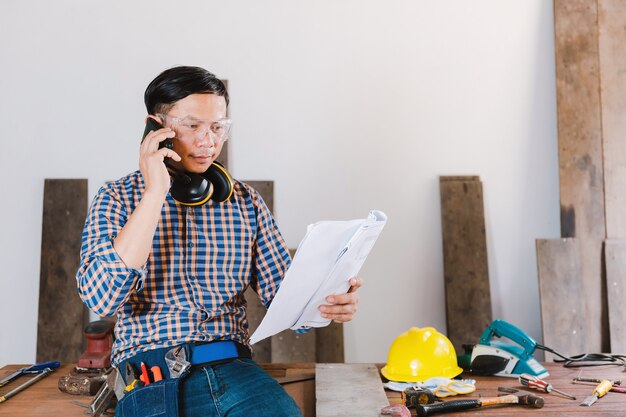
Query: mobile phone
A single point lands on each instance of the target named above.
(153, 125)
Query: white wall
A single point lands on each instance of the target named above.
(347, 105)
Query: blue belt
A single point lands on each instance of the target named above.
(218, 351)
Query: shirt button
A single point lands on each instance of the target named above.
(190, 244)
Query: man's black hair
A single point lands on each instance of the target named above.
(179, 82)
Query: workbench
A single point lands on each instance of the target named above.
(612, 405)
(44, 398)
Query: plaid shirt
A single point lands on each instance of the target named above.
(191, 288)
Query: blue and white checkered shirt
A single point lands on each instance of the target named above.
(191, 288)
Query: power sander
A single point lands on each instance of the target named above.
(90, 371)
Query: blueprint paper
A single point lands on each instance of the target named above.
(330, 253)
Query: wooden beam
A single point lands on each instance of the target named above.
(261, 351)
(581, 172)
(466, 272)
(62, 315)
(612, 50)
(561, 294)
(615, 258)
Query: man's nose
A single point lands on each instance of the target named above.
(205, 138)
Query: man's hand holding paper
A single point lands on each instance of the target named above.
(321, 283)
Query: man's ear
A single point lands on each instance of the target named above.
(154, 117)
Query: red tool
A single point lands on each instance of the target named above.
(99, 341)
(156, 373)
(532, 381)
(145, 376)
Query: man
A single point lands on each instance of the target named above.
(175, 274)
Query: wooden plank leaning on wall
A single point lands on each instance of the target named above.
(62, 315)
(466, 270)
(612, 51)
(580, 157)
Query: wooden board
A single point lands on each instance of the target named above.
(223, 156)
(581, 173)
(261, 351)
(466, 272)
(329, 345)
(349, 390)
(62, 315)
(615, 258)
(291, 347)
(321, 345)
(561, 294)
(612, 46)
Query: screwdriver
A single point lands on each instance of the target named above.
(599, 392)
(532, 381)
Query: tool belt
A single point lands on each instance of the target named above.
(161, 397)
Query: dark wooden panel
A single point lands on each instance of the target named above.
(612, 46)
(561, 293)
(468, 299)
(223, 157)
(580, 153)
(329, 347)
(266, 189)
(61, 312)
(615, 257)
(291, 347)
(261, 351)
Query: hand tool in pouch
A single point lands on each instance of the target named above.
(599, 392)
(531, 381)
(176, 360)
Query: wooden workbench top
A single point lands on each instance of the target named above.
(45, 399)
(612, 405)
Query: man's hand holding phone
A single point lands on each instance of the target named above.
(151, 157)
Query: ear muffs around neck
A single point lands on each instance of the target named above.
(192, 189)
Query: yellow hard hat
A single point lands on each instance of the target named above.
(419, 354)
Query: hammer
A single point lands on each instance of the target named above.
(515, 397)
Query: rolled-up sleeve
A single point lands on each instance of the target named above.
(104, 281)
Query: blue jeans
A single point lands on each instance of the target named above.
(235, 389)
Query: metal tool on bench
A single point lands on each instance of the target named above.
(89, 373)
(42, 374)
(413, 396)
(600, 391)
(515, 397)
(105, 396)
(496, 357)
(32, 369)
(617, 387)
(531, 381)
